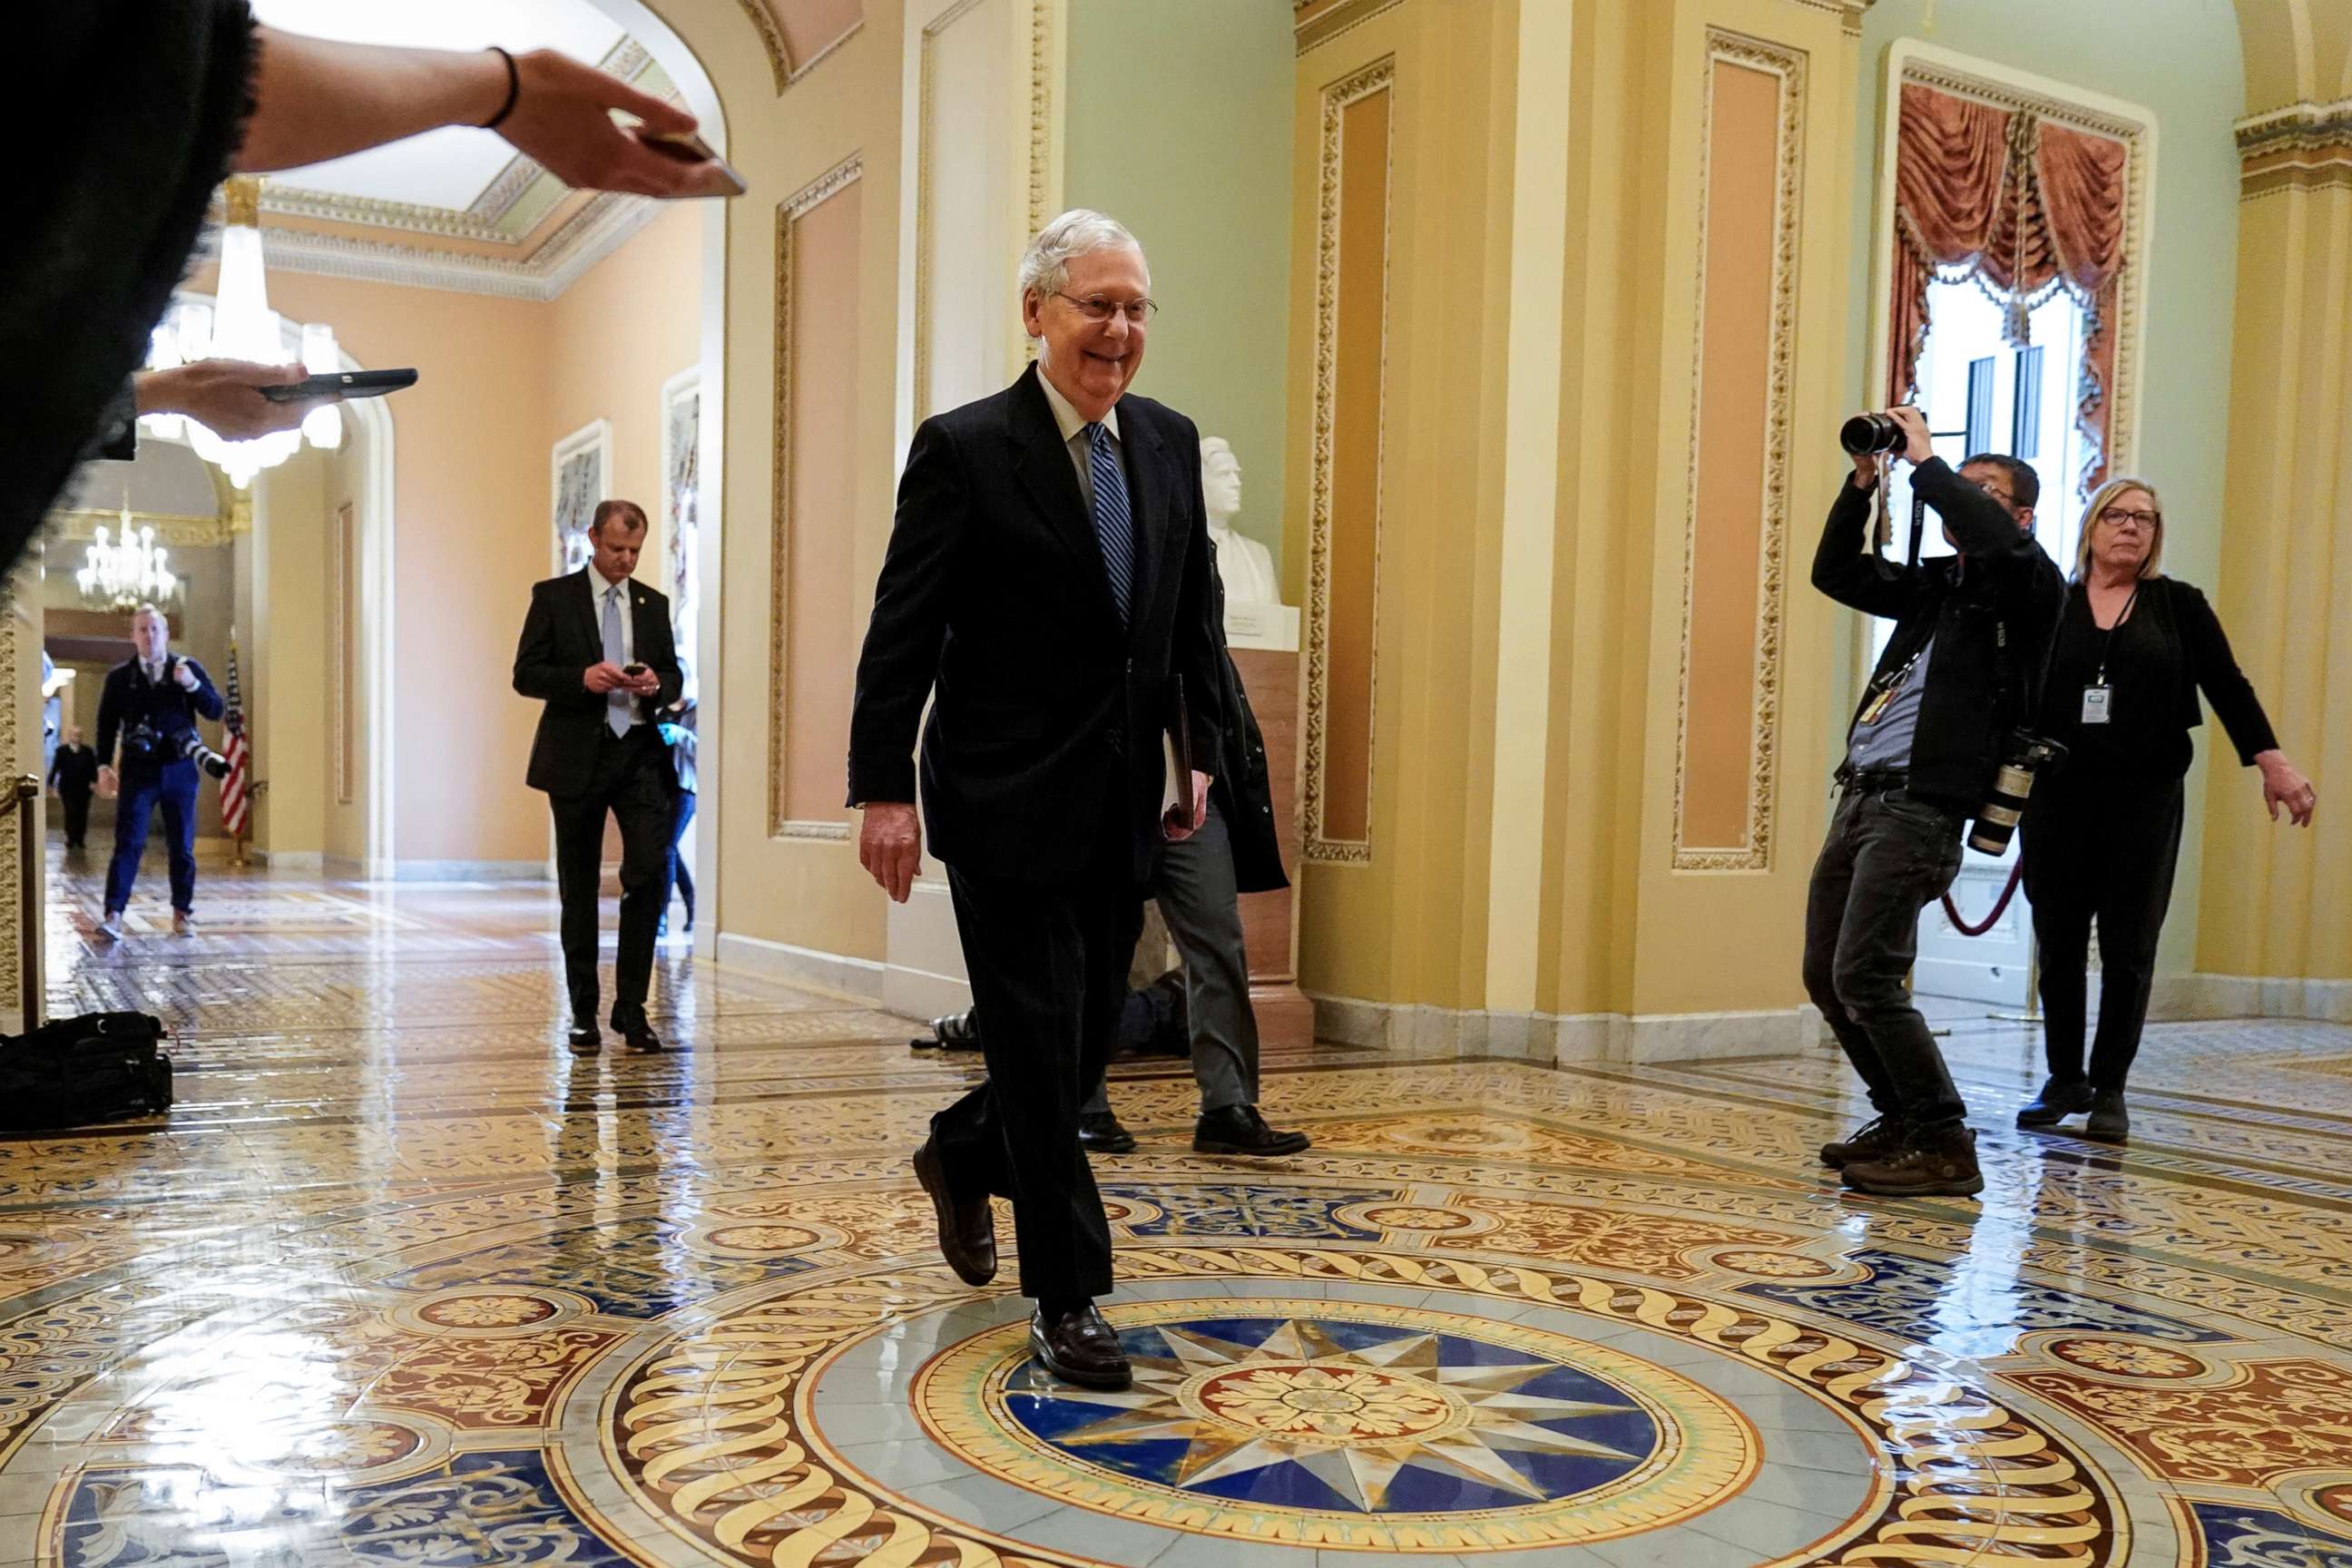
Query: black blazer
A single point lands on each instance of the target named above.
(559, 640)
(1992, 610)
(1243, 790)
(993, 601)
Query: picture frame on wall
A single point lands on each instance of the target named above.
(681, 500)
(579, 476)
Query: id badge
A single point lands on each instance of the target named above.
(2095, 699)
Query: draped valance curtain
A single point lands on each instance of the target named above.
(2025, 207)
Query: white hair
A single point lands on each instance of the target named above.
(1081, 231)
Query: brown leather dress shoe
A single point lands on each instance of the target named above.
(967, 1228)
(1080, 1347)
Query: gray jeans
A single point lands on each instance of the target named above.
(1194, 889)
(1888, 855)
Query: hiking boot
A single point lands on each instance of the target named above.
(2060, 1098)
(2110, 1121)
(1873, 1140)
(1942, 1164)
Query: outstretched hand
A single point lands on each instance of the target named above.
(224, 396)
(562, 117)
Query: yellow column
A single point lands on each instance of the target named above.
(2272, 903)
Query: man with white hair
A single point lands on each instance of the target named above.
(1047, 588)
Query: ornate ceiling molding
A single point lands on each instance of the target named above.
(2304, 146)
(175, 531)
(597, 231)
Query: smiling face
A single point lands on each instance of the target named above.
(1091, 363)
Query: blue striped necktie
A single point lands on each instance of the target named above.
(1114, 522)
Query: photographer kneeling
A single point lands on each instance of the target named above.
(152, 702)
(1971, 636)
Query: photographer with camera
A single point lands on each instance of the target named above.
(152, 702)
(1931, 734)
(2135, 646)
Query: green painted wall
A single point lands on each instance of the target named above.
(2181, 59)
(1179, 126)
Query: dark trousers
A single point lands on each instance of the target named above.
(172, 787)
(2099, 849)
(628, 779)
(77, 801)
(1048, 966)
(680, 874)
(1194, 889)
(1888, 855)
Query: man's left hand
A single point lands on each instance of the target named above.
(183, 675)
(224, 396)
(1917, 446)
(1176, 832)
(643, 685)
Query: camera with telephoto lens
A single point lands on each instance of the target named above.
(144, 744)
(1869, 434)
(1995, 822)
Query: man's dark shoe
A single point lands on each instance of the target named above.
(1931, 1165)
(586, 1042)
(2110, 1121)
(638, 1033)
(1101, 1133)
(1080, 1347)
(2060, 1098)
(1873, 1140)
(1240, 1129)
(967, 1228)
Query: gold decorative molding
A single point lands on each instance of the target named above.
(175, 531)
(772, 39)
(1789, 66)
(2304, 146)
(1316, 25)
(781, 821)
(1849, 13)
(240, 196)
(824, 54)
(1985, 85)
(1041, 112)
(14, 938)
(1319, 845)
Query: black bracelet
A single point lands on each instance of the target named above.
(514, 90)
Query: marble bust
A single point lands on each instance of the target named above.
(1245, 565)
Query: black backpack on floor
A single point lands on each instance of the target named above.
(71, 1072)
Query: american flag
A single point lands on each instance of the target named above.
(235, 803)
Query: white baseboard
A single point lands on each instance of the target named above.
(859, 977)
(1425, 1033)
(2177, 997)
(469, 871)
(311, 860)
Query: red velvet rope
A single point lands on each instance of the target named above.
(1999, 904)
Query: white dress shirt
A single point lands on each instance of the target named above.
(1073, 426)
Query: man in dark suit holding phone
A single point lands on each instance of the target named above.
(1046, 584)
(596, 649)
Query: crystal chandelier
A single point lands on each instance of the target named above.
(241, 325)
(127, 572)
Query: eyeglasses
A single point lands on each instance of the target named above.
(1097, 309)
(2119, 515)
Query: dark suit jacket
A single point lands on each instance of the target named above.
(74, 769)
(993, 601)
(560, 638)
(129, 696)
(1243, 790)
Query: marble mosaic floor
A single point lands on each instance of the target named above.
(400, 1282)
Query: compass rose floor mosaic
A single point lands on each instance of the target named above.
(400, 1282)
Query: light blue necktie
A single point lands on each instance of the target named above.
(617, 710)
(1114, 523)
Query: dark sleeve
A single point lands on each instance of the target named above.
(673, 677)
(1857, 578)
(2216, 667)
(109, 719)
(118, 425)
(1981, 525)
(155, 96)
(207, 697)
(538, 672)
(56, 761)
(901, 656)
(1198, 652)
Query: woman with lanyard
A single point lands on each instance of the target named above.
(2102, 836)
